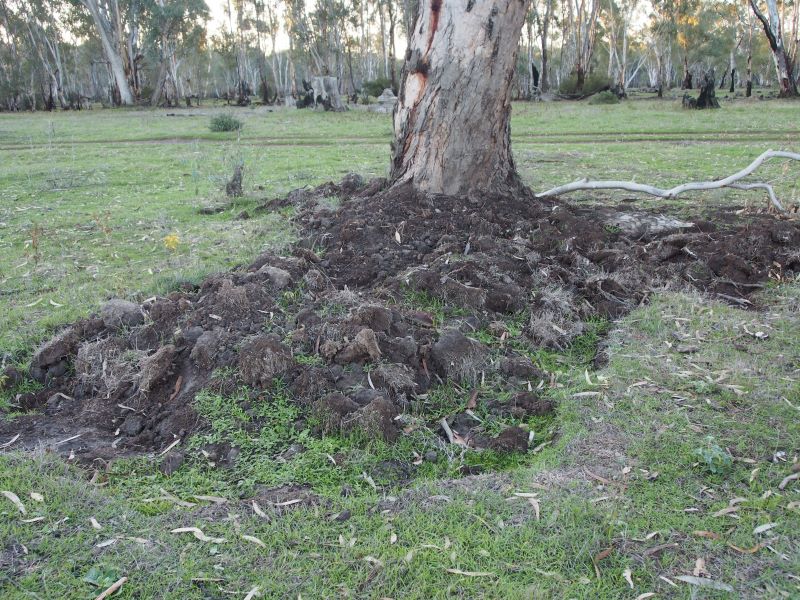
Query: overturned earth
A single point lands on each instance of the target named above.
(385, 297)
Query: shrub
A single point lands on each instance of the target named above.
(591, 84)
(376, 86)
(606, 97)
(225, 123)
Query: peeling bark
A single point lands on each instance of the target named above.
(452, 118)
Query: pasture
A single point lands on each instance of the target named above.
(661, 472)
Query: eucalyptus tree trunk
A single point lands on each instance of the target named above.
(103, 27)
(548, 14)
(452, 120)
(784, 68)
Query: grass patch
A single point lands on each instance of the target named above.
(84, 214)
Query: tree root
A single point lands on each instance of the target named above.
(730, 182)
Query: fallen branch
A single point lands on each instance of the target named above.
(730, 182)
(107, 594)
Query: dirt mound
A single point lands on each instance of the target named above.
(349, 323)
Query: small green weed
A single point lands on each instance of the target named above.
(712, 458)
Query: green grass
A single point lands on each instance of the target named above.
(85, 202)
(638, 437)
(86, 198)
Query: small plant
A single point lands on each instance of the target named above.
(712, 458)
(103, 222)
(225, 123)
(606, 97)
(309, 360)
(33, 245)
(101, 577)
(172, 241)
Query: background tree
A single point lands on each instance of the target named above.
(783, 56)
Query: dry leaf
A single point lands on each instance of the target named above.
(106, 543)
(659, 548)
(214, 499)
(763, 528)
(15, 500)
(139, 540)
(397, 237)
(37, 497)
(288, 502)
(255, 540)
(256, 591)
(703, 582)
(258, 511)
(645, 596)
(536, 509)
(170, 447)
(94, 523)
(728, 510)
(700, 568)
(600, 556)
(373, 560)
(706, 534)
(33, 520)
(752, 550)
(198, 534)
(787, 479)
(626, 574)
(603, 554)
(9, 442)
(393, 538)
(669, 581)
(112, 589)
(471, 573)
(165, 495)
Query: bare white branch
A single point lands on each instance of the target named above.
(730, 181)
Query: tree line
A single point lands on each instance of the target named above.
(68, 54)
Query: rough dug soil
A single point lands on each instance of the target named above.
(333, 320)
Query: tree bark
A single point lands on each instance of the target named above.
(545, 81)
(452, 120)
(687, 74)
(112, 55)
(784, 68)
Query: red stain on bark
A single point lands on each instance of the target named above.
(436, 9)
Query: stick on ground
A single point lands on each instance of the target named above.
(730, 181)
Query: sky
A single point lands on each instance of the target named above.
(219, 17)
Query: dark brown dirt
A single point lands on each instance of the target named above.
(334, 322)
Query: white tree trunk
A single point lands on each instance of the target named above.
(784, 67)
(452, 118)
(112, 55)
